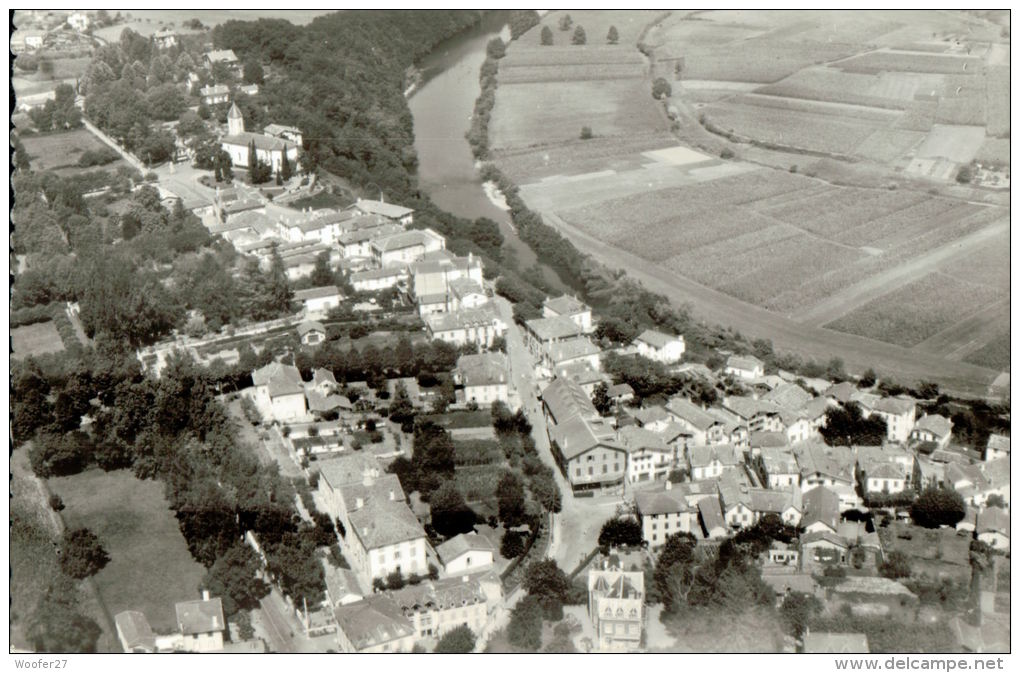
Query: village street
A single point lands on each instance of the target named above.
(577, 526)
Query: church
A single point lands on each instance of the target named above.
(268, 148)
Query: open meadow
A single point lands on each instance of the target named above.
(61, 152)
(150, 566)
(36, 339)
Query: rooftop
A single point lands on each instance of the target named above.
(565, 400)
(664, 501)
(687, 411)
(135, 630)
(316, 292)
(389, 210)
(373, 621)
(744, 362)
(461, 544)
(548, 329)
(280, 379)
(262, 142)
(835, 643)
(200, 616)
(940, 426)
(657, 339)
(446, 322)
(310, 326)
(635, 439)
(483, 369)
(224, 55)
(385, 522)
(565, 305)
(571, 349)
(821, 505)
(788, 395)
(872, 585)
(577, 436)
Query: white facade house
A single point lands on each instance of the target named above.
(279, 393)
(374, 280)
(466, 553)
(484, 377)
(933, 428)
(80, 21)
(569, 307)
(745, 367)
(899, 413)
(406, 247)
(237, 143)
(201, 624)
(662, 513)
(648, 456)
(475, 326)
(318, 301)
(997, 447)
(660, 347)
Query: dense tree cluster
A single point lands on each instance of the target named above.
(847, 426)
(938, 506)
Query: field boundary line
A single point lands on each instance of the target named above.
(879, 285)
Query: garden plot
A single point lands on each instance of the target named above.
(619, 153)
(570, 73)
(994, 152)
(677, 156)
(37, 339)
(916, 311)
(570, 55)
(884, 90)
(962, 101)
(959, 144)
(761, 60)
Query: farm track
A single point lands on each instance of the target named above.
(848, 299)
(714, 307)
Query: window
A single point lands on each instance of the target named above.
(653, 526)
(591, 471)
(616, 467)
(605, 468)
(578, 471)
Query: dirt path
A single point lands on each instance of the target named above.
(870, 288)
(714, 307)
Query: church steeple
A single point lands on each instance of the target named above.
(235, 121)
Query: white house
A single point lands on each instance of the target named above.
(215, 95)
(80, 21)
(997, 447)
(382, 534)
(933, 428)
(993, 528)
(745, 367)
(279, 392)
(311, 333)
(164, 39)
(664, 512)
(648, 456)
(465, 293)
(708, 462)
(201, 624)
(821, 510)
(225, 56)
(569, 307)
(484, 377)
(660, 347)
(374, 280)
(390, 211)
(406, 247)
(466, 553)
(475, 326)
(318, 301)
(899, 413)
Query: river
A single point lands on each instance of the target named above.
(442, 107)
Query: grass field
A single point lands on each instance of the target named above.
(885, 90)
(913, 313)
(60, 150)
(37, 339)
(150, 566)
(892, 61)
(997, 101)
(610, 108)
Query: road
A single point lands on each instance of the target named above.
(578, 523)
(714, 307)
(278, 627)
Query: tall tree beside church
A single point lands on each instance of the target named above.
(285, 169)
(253, 163)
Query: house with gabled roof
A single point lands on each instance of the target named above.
(311, 332)
(466, 553)
(821, 510)
(390, 211)
(588, 454)
(829, 466)
(662, 513)
(569, 307)
(708, 462)
(541, 333)
(710, 516)
(374, 625)
(652, 418)
(648, 456)
(932, 428)
(780, 467)
(576, 351)
(993, 528)
(405, 247)
(279, 392)
(319, 300)
(899, 413)
(225, 56)
(660, 347)
(840, 393)
(694, 419)
(482, 378)
(201, 624)
(437, 606)
(755, 415)
(478, 326)
(134, 632)
(746, 367)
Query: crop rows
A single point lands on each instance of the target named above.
(885, 61)
(842, 111)
(758, 60)
(916, 311)
(569, 73)
(831, 215)
(919, 116)
(835, 86)
(792, 129)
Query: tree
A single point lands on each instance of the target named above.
(59, 454)
(55, 625)
(896, 565)
(525, 627)
(459, 640)
(579, 36)
(495, 48)
(600, 398)
(661, 88)
(450, 514)
(401, 410)
(868, 378)
(511, 545)
(617, 532)
(995, 500)
(612, 37)
(253, 72)
(296, 566)
(847, 426)
(286, 171)
(245, 630)
(797, 610)
(964, 176)
(936, 506)
(545, 581)
(234, 578)
(81, 554)
(586, 133)
(395, 581)
(521, 21)
(546, 491)
(510, 500)
(566, 22)
(674, 571)
(547, 36)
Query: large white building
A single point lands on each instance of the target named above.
(471, 326)
(279, 392)
(269, 149)
(484, 377)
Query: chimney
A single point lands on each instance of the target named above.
(359, 503)
(464, 579)
(205, 594)
(393, 496)
(364, 532)
(669, 485)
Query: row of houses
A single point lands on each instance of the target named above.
(200, 628)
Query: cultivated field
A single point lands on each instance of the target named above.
(61, 151)
(873, 113)
(37, 339)
(610, 107)
(916, 311)
(150, 566)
